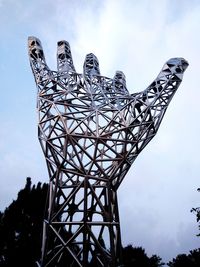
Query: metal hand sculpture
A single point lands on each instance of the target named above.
(91, 130)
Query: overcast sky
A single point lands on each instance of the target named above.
(137, 37)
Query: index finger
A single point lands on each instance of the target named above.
(37, 59)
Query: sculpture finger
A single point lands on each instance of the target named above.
(156, 98)
(64, 57)
(37, 59)
(171, 76)
(175, 67)
(91, 65)
(120, 79)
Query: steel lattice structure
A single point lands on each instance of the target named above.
(91, 130)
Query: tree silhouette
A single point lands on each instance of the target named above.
(183, 260)
(193, 258)
(21, 225)
(197, 212)
(136, 257)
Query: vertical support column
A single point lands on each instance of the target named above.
(82, 226)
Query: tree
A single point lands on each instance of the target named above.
(183, 260)
(136, 257)
(197, 212)
(21, 225)
(193, 258)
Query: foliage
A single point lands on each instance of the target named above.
(197, 212)
(136, 257)
(21, 226)
(183, 260)
(193, 258)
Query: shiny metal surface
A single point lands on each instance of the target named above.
(91, 130)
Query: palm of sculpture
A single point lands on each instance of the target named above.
(91, 130)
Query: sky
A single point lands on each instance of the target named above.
(137, 37)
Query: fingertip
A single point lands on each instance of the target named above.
(119, 75)
(174, 66)
(37, 59)
(178, 61)
(120, 78)
(91, 65)
(35, 48)
(34, 39)
(64, 56)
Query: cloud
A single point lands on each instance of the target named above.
(136, 37)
